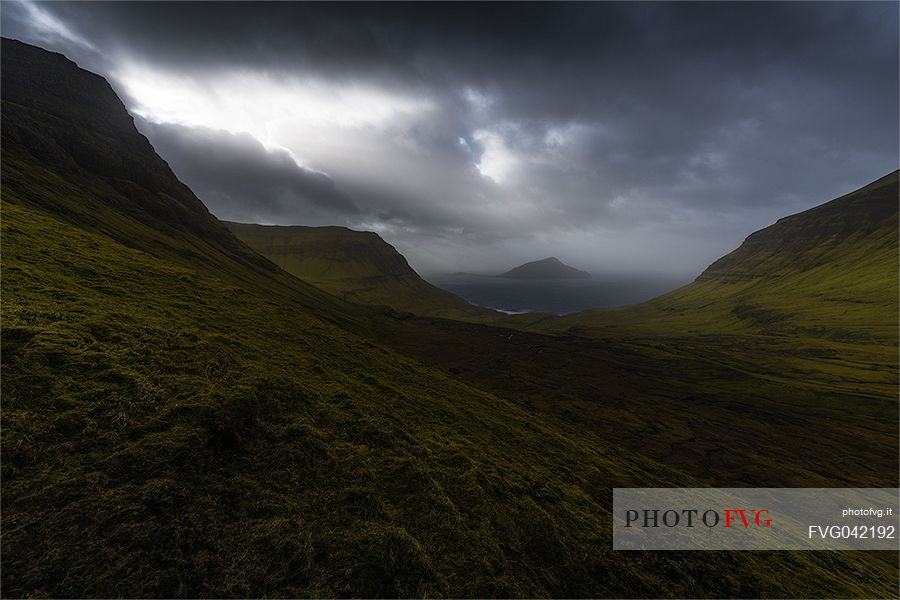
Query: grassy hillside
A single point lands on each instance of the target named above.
(71, 148)
(358, 266)
(812, 298)
(830, 272)
(182, 418)
(167, 433)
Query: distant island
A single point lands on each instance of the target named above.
(547, 268)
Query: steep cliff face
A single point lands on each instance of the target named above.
(71, 122)
(70, 148)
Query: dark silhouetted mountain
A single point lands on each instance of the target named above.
(70, 148)
(547, 268)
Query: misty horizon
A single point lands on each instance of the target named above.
(623, 138)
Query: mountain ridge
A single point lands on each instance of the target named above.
(78, 155)
(843, 249)
(358, 266)
(858, 213)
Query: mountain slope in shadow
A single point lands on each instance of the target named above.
(71, 149)
(829, 272)
(358, 266)
(182, 418)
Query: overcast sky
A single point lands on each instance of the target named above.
(618, 137)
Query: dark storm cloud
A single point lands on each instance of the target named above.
(620, 132)
(243, 180)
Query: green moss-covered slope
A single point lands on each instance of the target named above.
(829, 272)
(167, 433)
(811, 298)
(182, 418)
(358, 266)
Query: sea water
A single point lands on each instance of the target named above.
(557, 296)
